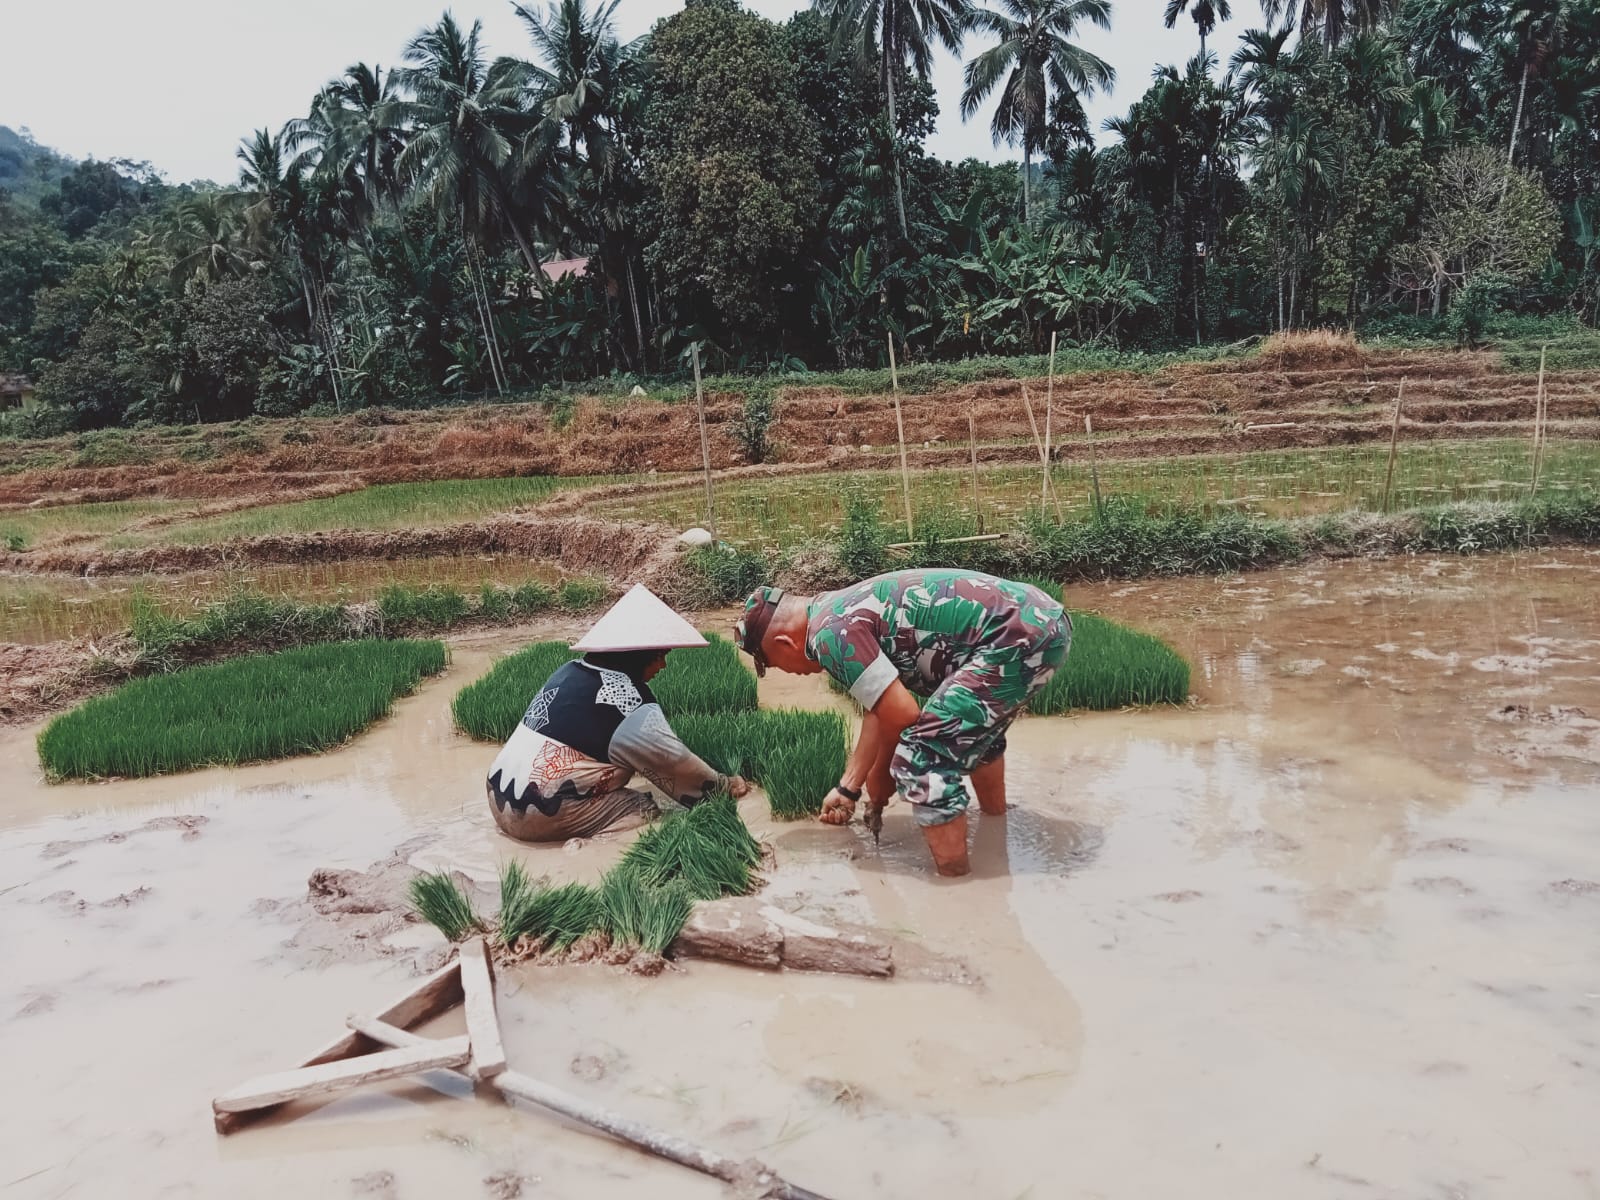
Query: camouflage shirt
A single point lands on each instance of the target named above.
(920, 627)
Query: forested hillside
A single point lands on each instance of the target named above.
(761, 190)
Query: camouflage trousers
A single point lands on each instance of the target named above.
(963, 724)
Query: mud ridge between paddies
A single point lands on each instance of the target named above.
(1264, 402)
(617, 551)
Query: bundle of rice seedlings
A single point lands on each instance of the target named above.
(439, 900)
(638, 914)
(562, 915)
(519, 895)
(707, 850)
(803, 760)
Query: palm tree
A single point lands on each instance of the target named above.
(1534, 30)
(468, 118)
(1206, 14)
(356, 130)
(1334, 20)
(1034, 54)
(896, 35)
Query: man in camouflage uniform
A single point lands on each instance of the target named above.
(972, 647)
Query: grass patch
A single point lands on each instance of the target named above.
(636, 914)
(261, 707)
(712, 679)
(439, 900)
(552, 916)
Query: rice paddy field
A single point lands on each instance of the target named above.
(383, 507)
(46, 608)
(1287, 483)
(23, 527)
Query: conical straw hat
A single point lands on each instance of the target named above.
(640, 621)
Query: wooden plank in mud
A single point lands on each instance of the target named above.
(268, 1091)
(433, 997)
(483, 1023)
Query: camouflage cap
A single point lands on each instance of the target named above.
(751, 627)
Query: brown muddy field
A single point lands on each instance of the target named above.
(1316, 397)
(1328, 932)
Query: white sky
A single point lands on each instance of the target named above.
(180, 82)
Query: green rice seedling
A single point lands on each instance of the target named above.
(489, 708)
(250, 709)
(641, 914)
(439, 900)
(796, 756)
(532, 597)
(1111, 666)
(579, 594)
(707, 850)
(519, 895)
(712, 679)
(558, 915)
(434, 607)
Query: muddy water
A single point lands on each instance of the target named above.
(1328, 932)
(36, 608)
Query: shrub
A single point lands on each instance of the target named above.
(863, 540)
(1131, 539)
(532, 597)
(751, 429)
(721, 574)
(242, 619)
(262, 707)
(109, 448)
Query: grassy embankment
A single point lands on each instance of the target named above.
(710, 698)
(300, 701)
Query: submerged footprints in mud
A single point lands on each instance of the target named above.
(189, 824)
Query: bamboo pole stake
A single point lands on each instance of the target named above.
(900, 429)
(1538, 427)
(1094, 463)
(1049, 406)
(972, 445)
(1038, 445)
(705, 443)
(1394, 437)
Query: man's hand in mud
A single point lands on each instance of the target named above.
(738, 786)
(837, 808)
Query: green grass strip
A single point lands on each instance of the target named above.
(266, 706)
(1110, 666)
(795, 755)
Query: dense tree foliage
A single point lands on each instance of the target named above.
(762, 191)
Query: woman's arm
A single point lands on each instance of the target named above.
(645, 743)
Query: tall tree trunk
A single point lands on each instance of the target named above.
(479, 302)
(1027, 178)
(633, 298)
(894, 151)
(1516, 120)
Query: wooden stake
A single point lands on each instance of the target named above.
(1538, 427)
(1038, 444)
(1049, 406)
(483, 1025)
(705, 443)
(437, 994)
(662, 1145)
(972, 444)
(1394, 437)
(900, 427)
(269, 1091)
(1094, 465)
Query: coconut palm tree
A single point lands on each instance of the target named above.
(1206, 14)
(1534, 30)
(896, 35)
(1034, 54)
(356, 129)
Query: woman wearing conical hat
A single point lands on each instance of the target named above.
(593, 726)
